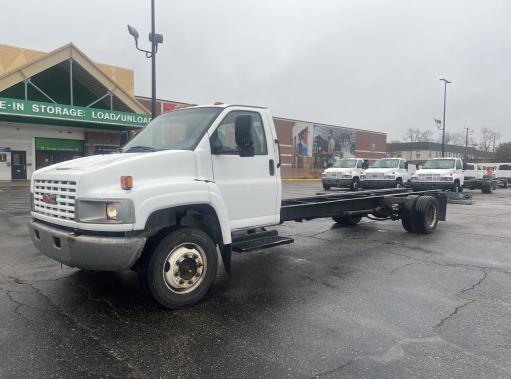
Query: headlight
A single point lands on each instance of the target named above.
(392, 177)
(446, 178)
(347, 176)
(117, 211)
(363, 176)
(112, 210)
(414, 178)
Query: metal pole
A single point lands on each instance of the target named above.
(466, 142)
(71, 96)
(153, 62)
(443, 122)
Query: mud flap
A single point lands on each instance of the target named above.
(225, 252)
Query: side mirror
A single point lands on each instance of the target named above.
(124, 138)
(243, 135)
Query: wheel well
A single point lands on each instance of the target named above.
(201, 216)
(399, 179)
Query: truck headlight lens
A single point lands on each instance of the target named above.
(390, 177)
(363, 176)
(347, 176)
(446, 178)
(112, 210)
(115, 211)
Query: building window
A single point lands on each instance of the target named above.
(373, 147)
(418, 155)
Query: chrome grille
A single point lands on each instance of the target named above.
(429, 177)
(374, 175)
(65, 194)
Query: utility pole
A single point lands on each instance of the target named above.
(443, 127)
(467, 130)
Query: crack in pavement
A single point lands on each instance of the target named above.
(468, 301)
(72, 319)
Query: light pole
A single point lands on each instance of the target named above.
(443, 128)
(155, 39)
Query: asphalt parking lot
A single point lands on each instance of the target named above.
(365, 301)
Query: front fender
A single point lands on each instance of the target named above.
(179, 193)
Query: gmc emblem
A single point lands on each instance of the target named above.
(50, 199)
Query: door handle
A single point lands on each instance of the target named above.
(272, 167)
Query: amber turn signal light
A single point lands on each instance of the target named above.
(126, 182)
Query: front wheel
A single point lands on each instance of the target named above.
(456, 187)
(181, 269)
(326, 187)
(399, 183)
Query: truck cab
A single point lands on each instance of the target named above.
(439, 173)
(344, 173)
(386, 173)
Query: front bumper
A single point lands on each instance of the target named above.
(86, 251)
(337, 182)
(369, 183)
(422, 186)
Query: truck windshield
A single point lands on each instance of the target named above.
(177, 130)
(439, 164)
(345, 163)
(386, 163)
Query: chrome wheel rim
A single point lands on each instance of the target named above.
(185, 268)
(432, 216)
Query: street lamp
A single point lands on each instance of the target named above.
(443, 129)
(155, 39)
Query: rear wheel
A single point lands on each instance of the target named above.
(505, 183)
(181, 269)
(425, 215)
(347, 220)
(326, 187)
(487, 189)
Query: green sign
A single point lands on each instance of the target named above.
(54, 144)
(71, 113)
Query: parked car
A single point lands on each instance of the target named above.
(439, 173)
(344, 173)
(386, 173)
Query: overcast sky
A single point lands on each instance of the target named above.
(363, 64)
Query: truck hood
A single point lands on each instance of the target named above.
(99, 176)
(382, 170)
(90, 163)
(338, 169)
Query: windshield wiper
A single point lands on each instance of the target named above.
(140, 149)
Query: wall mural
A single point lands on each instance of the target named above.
(318, 146)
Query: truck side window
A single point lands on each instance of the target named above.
(402, 164)
(506, 167)
(459, 165)
(360, 164)
(225, 133)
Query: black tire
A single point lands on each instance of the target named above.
(399, 183)
(487, 189)
(198, 264)
(456, 186)
(505, 184)
(355, 184)
(425, 214)
(347, 220)
(407, 214)
(326, 187)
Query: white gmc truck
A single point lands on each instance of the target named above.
(344, 173)
(193, 184)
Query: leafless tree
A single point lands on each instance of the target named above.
(488, 139)
(426, 136)
(453, 138)
(412, 135)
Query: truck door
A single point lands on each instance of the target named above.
(246, 176)
(19, 165)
